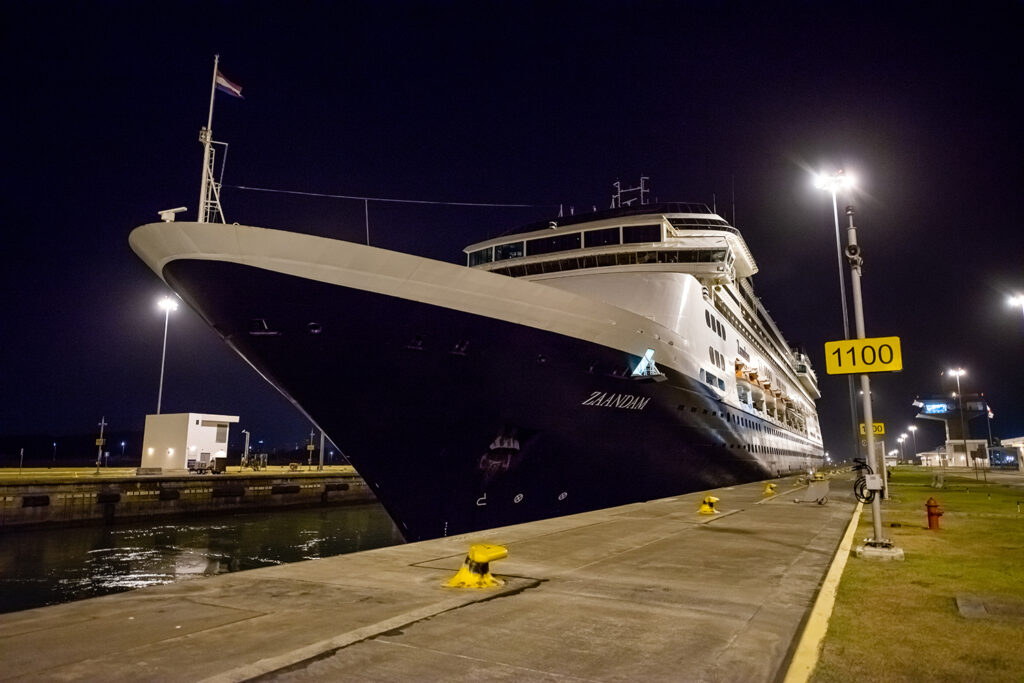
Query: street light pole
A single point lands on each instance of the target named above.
(168, 304)
(960, 404)
(880, 545)
(913, 432)
(833, 184)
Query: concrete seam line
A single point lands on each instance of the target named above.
(809, 648)
(271, 664)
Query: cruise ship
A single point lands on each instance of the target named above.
(584, 362)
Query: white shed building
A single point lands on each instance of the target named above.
(172, 440)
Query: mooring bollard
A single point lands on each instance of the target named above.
(707, 505)
(769, 488)
(475, 571)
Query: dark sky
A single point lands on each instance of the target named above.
(541, 103)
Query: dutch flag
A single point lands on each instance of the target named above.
(224, 85)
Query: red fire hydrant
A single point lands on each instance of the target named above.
(934, 512)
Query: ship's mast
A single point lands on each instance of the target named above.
(209, 195)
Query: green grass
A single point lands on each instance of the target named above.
(898, 621)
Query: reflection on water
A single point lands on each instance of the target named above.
(49, 566)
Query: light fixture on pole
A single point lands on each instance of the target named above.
(1017, 300)
(167, 304)
(903, 437)
(960, 405)
(913, 431)
(833, 184)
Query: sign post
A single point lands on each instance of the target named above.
(863, 356)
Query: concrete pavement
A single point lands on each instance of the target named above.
(649, 591)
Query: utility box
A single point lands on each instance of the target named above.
(180, 442)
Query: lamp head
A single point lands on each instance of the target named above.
(833, 182)
(167, 304)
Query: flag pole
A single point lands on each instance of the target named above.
(206, 137)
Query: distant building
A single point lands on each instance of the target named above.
(1014, 446)
(180, 441)
(956, 413)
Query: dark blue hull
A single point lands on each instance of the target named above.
(461, 422)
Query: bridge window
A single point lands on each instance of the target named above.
(481, 256)
(601, 238)
(632, 234)
(507, 251)
(547, 245)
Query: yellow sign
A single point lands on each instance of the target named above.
(881, 354)
(877, 428)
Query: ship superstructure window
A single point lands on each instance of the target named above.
(633, 234)
(547, 245)
(507, 251)
(601, 238)
(715, 324)
(601, 260)
(481, 256)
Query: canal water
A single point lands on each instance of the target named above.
(48, 566)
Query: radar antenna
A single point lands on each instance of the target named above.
(629, 195)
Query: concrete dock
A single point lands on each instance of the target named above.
(650, 591)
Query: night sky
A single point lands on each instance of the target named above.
(537, 103)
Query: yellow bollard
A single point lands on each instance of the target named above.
(707, 505)
(475, 571)
(769, 488)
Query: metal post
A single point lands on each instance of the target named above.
(320, 467)
(99, 444)
(846, 325)
(853, 252)
(963, 425)
(163, 358)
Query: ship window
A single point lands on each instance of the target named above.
(632, 234)
(481, 256)
(627, 259)
(718, 255)
(507, 251)
(668, 257)
(711, 352)
(600, 238)
(606, 260)
(533, 269)
(647, 257)
(707, 318)
(548, 245)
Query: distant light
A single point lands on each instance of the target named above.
(959, 372)
(1017, 300)
(912, 428)
(168, 304)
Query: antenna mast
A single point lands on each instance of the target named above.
(209, 189)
